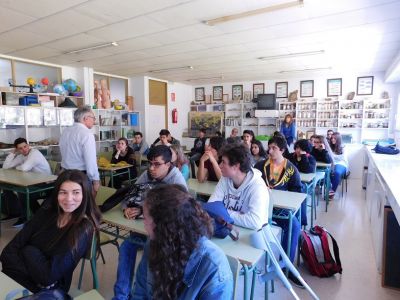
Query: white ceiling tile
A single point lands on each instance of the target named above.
(136, 27)
(38, 52)
(134, 44)
(75, 42)
(40, 8)
(18, 39)
(10, 19)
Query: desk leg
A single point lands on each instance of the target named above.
(289, 237)
(327, 186)
(28, 207)
(246, 281)
(112, 179)
(1, 200)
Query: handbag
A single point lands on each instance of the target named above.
(386, 149)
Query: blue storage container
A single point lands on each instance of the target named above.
(134, 119)
(28, 100)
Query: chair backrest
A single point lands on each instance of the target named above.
(54, 166)
(270, 207)
(235, 268)
(103, 194)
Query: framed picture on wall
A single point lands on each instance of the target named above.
(365, 85)
(307, 88)
(281, 89)
(247, 96)
(334, 87)
(237, 92)
(218, 92)
(199, 94)
(258, 88)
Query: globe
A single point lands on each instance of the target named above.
(70, 85)
(59, 89)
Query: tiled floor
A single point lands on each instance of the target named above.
(346, 220)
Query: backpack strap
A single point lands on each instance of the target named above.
(335, 251)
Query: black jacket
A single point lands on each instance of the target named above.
(321, 155)
(306, 164)
(198, 147)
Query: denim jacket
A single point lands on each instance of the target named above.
(207, 275)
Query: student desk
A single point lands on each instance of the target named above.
(241, 249)
(205, 188)
(25, 183)
(115, 171)
(90, 295)
(8, 287)
(326, 168)
(308, 180)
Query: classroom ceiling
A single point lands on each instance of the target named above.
(360, 36)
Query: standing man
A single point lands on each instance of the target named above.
(198, 149)
(78, 146)
(234, 138)
(26, 159)
(139, 144)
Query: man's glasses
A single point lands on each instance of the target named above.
(93, 117)
(155, 164)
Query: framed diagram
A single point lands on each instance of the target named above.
(237, 92)
(334, 87)
(365, 85)
(307, 88)
(218, 92)
(281, 89)
(258, 88)
(199, 94)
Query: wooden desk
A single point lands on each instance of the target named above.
(202, 188)
(113, 171)
(25, 183)
(241, 249)
(8, 285)
(326, 168)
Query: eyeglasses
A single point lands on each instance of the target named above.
(155, 164)
(93, 117)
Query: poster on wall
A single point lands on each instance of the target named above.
(365, 85)
(334, 87)
(218, 91)
(307, 88)
(199, 94)
(258, 88)
(281, 89)
(212, 121)
(237, 92)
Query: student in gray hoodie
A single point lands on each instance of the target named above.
(241, 188)
(160, 170)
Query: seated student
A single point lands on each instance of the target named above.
(329, 134)
(165, 139)
(305, 163)
(46, 251)
(280, 174)
(340, 162)
(26, 159)
(180, 161)
(160, 170)
(198, 148)
(312, 139)
(218, 133)
(234, 138)
(321, 150)
(179, 261)
(139, 144)
(241, 188)
(277, 133)
(208, 166)
(123, 153)
(257, 151)
(248, 137)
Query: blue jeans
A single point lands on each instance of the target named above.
(126, 266)
(336, 176)
(284, 224)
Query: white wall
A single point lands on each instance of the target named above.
(139, 90)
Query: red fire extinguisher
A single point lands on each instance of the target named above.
(174, 115)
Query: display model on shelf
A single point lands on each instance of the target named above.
(350, 114)
(375, 124)
(306, 112)
(327, 113)
(43, 99)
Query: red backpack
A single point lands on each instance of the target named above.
(314, 248)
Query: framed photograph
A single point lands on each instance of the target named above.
(247, 96)
(218, 92)
(281, 89)
(199, 94)
(213, 121)
(365, 85)
(306, 88)
(334, 87)
(258, 88)
(237, 92)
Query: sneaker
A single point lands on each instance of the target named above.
(20, 223)
(293, 279)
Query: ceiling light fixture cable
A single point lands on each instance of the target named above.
(255, 12)
(205, 78)
(305, 70)
(115, 44)
(290, 55)
(172, 69)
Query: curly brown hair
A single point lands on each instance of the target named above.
(179, 223)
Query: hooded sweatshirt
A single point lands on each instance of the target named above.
(248, 204)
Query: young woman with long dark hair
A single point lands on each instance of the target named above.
(179, 261)
(46, 251)
(257, 151)
(340, 163)
(288, 129)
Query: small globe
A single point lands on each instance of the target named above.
(70, 85)
(30, 81)
(59, 89)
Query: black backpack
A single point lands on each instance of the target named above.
(10, 204)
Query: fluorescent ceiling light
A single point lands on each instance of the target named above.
(172, 69)
(206, 78)
(305, 70)
(115, 44)
(255, 12)
(290, 55)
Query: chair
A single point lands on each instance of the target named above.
(91, 256)
(265, 239)
(235, 268)
(102, 195)
(55, 166)
(344, 180)
(140, 165)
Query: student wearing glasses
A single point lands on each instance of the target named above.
(160, 170)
